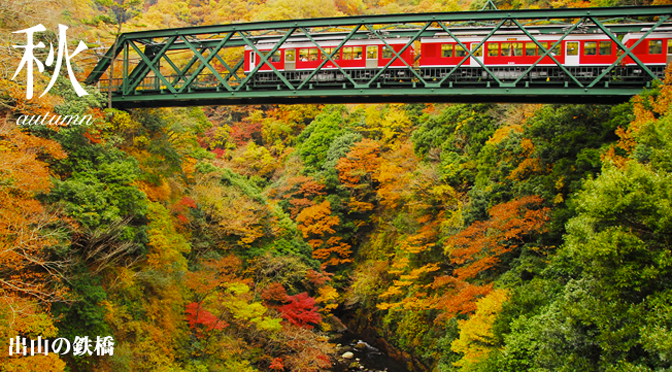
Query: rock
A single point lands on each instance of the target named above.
(345, 349)
(360, 345)
(348, 355)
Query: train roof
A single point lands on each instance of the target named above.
(513, 37)
(661, 32)
(306, 43)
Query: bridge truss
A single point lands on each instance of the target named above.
(199, 66)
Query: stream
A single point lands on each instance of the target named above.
(354, 354)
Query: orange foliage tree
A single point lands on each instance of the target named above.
(478, 248)
(359, 164)
(300, 191)
(29, 279)
(316, 223)
(646, 110)
(26, 227)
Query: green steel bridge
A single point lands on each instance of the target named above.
(200, 66)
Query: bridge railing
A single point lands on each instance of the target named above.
(155, 84)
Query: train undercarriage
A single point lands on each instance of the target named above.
(621, 75)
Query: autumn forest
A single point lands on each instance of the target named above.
(450, 237)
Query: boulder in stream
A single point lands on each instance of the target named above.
(361, 345)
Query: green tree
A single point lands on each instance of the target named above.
(117, 12)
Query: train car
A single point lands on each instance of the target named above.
(518, 50)
(508, 54)
(355, 54)
(655, 49)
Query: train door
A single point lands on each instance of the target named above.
(290, 59)
(477, 55)
(372, 56)
(252, 58)
(669, 50)
(572, 53)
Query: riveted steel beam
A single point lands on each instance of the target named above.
(372, 95)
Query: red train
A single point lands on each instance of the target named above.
(507, 55)
(519, 50)
(356, 54)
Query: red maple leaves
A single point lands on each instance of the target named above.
(197, 315)
(301, 311)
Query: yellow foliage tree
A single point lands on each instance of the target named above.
(476, 339)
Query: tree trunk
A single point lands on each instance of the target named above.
(114, 55)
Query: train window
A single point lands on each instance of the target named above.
(669, 46)
(546, 46)
(357, 52)
(517, 49)
(271, 58)
(347, 53)
(387, 52)
(655, 46)
(573, 48)
(329, 51)
(477, 52)
(303, 55)
(541, 52)
(372, 52)
(493, 49)
(290, 55)
(459, 51)
(312, 54)
(557, 51)
(590, 48)
(506, 49)
(447, 50)
(530, 49)
(605, 48)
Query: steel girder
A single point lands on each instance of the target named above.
(197, 80)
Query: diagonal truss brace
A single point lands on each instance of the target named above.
(398, 55)
(264, 60)
(205, 62)
(470, 53)
(329, 56)
(231, 71)
(173, 66)
(151, 65)
(182, 73)
(626, 51)
(547, 53)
